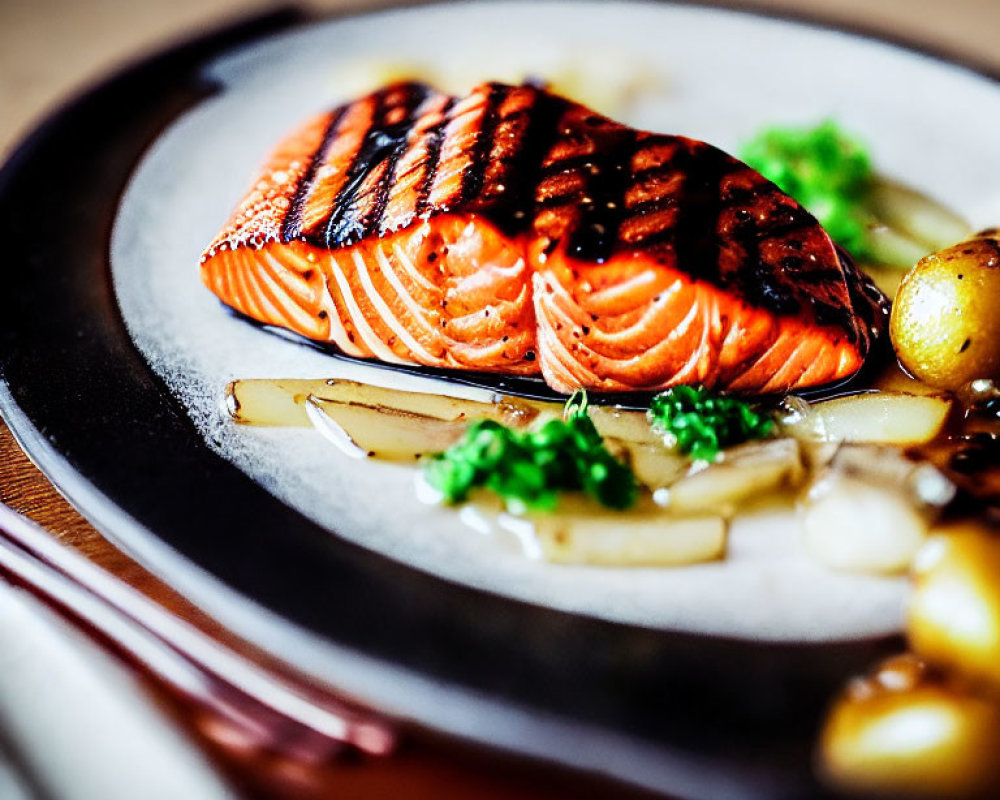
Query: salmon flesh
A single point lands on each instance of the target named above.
(513, 230)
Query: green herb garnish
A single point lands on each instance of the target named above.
(700, 424)
(824, 169)
(530, 468)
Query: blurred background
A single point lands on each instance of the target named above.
(52, 48)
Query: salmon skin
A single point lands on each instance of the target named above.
(512, 230)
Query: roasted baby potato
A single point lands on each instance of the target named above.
(945, 326)
(954, 611)
(905, 731)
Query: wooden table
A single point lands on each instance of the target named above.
(51, 48)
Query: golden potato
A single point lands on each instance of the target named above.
(905, 732)
(953, 617)
(945, 321)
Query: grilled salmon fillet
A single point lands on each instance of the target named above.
(513, 230)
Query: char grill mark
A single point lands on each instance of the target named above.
(474, 176)
(508, 183)
(402, 204)
(769, 230)
(495, 182)
(565, 169)
(291, 228)
(435, 139)
(356, 211)
(601, 214)
(763, 287)
(652, 201)
(411, 105)
(333, 168)
(696, 240)
(343, 224)
(786, 221)
(461, 137)
(525, 136)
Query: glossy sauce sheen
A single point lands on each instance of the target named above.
(513, 230)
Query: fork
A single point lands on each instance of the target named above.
(265, 712)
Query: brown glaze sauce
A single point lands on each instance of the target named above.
(968, 450)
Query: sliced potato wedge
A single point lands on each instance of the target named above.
(653, 464)
(381, 433)
(918, 216)
(436, 406)
(854, 526)
(895, 418)
(870, 510)
(277, 401)
(893, 247)
(281, 402)
(645, 536)
(628, 426)
(745, 473)
(893, 378)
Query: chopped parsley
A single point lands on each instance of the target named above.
(700, 424)
(530, 468)
(827, 171)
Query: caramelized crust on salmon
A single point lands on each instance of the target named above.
(513, 230)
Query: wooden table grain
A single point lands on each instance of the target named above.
(50, 49)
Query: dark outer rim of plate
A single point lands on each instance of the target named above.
(671, 695)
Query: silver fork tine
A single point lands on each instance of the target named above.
(271, 713)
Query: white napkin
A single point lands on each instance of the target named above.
(79, 725)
